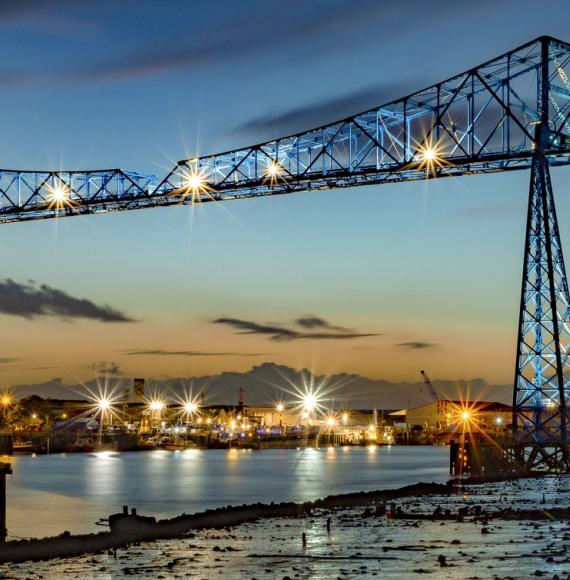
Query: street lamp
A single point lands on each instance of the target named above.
(280, 407)
(309, 402)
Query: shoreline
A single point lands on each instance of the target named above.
(126, 529)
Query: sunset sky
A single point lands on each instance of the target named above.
(420, 275)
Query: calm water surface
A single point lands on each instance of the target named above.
(51, 493)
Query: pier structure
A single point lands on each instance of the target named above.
(5, 469)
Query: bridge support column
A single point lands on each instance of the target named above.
(542, 373)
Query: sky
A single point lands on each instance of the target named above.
(422, 275)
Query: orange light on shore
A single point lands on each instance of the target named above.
(104, 404)
(190, 407)
(309, 401)
(156, 405)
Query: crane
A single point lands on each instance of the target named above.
(430, 387)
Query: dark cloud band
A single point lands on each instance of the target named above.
(29, 301)
(417, 345)
(157, 352)
(282, 333)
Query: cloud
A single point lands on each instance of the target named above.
(8, 359)
(281, 333)
(257, 34)
(489, 212)
(106, 368)
(157, 352)
(275, 332)
(417, 345)
(311, 322)
(320, 113)
(30, 300)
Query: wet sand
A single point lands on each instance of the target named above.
(361, 542)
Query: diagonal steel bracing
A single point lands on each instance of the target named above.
(542, 373)
(479, 121)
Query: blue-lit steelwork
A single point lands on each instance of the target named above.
(480, 121)
(510, 113)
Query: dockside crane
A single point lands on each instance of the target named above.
(430, 387)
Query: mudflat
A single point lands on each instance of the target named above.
(508, 529)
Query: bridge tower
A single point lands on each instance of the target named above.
(542, 373)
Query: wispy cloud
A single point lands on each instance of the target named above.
(29, 301)
(322, 112)
(489, 212)
(417, 345)
(206, 46)
(157, 352)
(310, 322)
(282, 333)
(106, 368)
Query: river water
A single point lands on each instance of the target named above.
(48, 494)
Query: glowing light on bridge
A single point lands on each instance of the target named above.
(59, 196)
(273, 171)
(430, 157)
(194, 184)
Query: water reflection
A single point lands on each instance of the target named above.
(73, 491)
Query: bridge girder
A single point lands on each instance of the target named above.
(480, 121)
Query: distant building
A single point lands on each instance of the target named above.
(138, 388)
(442, 414)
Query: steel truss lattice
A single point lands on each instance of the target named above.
(542, 375)
(479, 121)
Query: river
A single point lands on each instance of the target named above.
(48, 494)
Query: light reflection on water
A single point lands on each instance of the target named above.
(49, 494)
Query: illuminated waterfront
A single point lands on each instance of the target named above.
(49, 494)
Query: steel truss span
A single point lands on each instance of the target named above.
(510, 113)
(480, 121)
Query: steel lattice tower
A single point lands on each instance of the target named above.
(542, 374)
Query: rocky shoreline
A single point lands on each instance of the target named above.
(510, 529)
(127, 529)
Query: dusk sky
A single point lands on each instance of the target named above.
(429, 272)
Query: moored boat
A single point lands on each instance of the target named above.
(21, 447)
(81, 445)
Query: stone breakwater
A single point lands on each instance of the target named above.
(127, 529)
